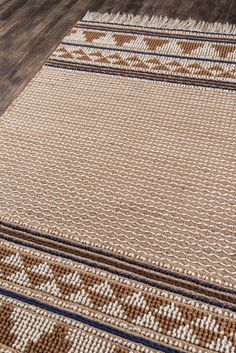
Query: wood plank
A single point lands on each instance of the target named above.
(231, 13)
(210, 10)
(34, 43)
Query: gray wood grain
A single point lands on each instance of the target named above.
(231, 13)
(31, 29)
(207, 10)
(27, 39)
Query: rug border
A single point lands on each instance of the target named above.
(161, 22)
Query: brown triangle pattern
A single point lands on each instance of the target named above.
(156, 64)
(90, 36)
(7, 337)
(223, 50)
(121, 39)
(55, 341)
(189, 47)
(71, 31)
(103, 294)
(82, 55)
(100, 58)
(49, 335)
(154, 43)
(63, 53)
(118, 60)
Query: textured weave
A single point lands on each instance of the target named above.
(117, 203)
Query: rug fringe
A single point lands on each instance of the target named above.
(161, 22)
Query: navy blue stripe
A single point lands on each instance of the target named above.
(120, 273)
(87, 321)
(162, 35)
(169, 78)
(150, 54)
(159, 28)
(158, 79)
(121, 258)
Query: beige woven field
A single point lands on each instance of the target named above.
(143, 168)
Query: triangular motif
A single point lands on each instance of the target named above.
(154, 43)
(91, 36)
(20, 277)
(49, 287)
(189, 46)
(121, 39)
(223, 50)
(43, 269)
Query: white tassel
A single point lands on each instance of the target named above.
(161, 22)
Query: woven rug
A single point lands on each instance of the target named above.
(117, 182)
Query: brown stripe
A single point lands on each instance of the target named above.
(117, 264)
(160, 34)
(138, 74)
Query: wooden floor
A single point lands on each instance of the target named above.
(31, 29)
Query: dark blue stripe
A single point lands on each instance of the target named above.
(87, 321)
(158, 79)
(120, 273)
(121, 258)
(196, 81)
(162, 35)
(150, 54)
(160, 28)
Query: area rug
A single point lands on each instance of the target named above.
(117, 182)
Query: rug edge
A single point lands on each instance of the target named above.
(162, 22)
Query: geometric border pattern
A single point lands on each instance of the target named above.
(188, 59)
